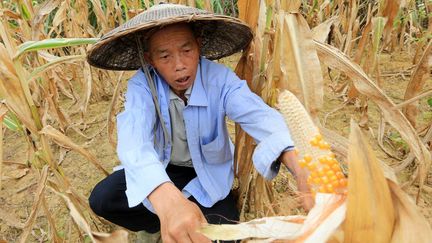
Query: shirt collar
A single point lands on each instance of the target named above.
(174, 96)
(198, 96)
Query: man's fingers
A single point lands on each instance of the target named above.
(183, 238)
(197, 237)
(167, 239)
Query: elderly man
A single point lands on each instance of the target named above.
(173, 142)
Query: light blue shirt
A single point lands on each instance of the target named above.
(217, 92)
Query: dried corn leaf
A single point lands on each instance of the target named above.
(36, 203)
(415, 85)
(390, 11)
(100, 15)
(52, 64)
(291, 6)
(299, 63)
(97, 237)
(17, 173)
(12, 92)
(350, 20)
(43, 10)
(53, 229)
(3, 112)
(60, 16)
(370, 215)
(111, 112)
(321, 31)
(63, 140)
(335, 59)
(410, 226)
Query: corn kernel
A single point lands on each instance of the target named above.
(311, 166)
(322, 189)
(336, 168)
(318, 137)
(335, 183)
(314, 142)
(316, 181)
(330, 188)
(321, 172)
(332, 161)
(343, 182)
(332, 155)
(324, 145)
(340, 175)
(322, 160)
(324, 180)
(314, 173)
(309, 180)
(307, 158)
(330, 174)
(302, 163)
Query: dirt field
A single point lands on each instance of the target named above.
(19, 182)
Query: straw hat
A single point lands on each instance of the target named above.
(221, 35)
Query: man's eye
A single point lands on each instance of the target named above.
(164, 57)
(187, 50)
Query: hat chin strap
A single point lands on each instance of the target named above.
(152, 89)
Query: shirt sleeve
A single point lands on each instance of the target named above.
(135, 148)
(260, 121)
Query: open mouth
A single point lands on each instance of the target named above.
(182, 80)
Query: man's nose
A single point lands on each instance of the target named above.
(179, 63)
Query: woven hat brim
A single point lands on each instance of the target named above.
(221, 36)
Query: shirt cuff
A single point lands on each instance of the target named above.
(275, 167)
(141, 182)
(267, 152)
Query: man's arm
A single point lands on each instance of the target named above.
(179, 217)
(269, 130)
(289, 159)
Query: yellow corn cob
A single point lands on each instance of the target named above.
(314, 153)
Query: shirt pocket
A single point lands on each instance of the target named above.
(217, 151)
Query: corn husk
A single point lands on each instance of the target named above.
(369, 208)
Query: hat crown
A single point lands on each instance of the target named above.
(157, 13)
(220, 35)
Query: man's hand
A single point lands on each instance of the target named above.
(289, 159)
(179, 217)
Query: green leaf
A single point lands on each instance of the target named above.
(52, 43)
(24, 12)
(378, 23)
(125, 8)
(12, 122)
(429, 101)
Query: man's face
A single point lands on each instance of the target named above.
(174, 52)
